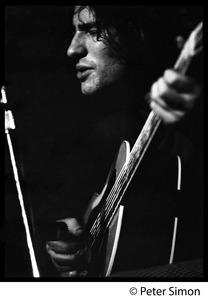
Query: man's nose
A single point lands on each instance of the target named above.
(77, 47)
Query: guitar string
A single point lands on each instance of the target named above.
(181, 65)
(108, 205)
(118, 184)
(135, 158)
(114, 190)
(119, 187)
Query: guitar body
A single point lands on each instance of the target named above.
(103, 254)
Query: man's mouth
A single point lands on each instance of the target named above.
(83, 72)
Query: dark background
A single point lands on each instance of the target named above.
(49, 111)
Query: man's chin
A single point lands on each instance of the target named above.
(89, 90)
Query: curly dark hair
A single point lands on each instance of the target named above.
(124, 19)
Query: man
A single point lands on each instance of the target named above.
(106, 66)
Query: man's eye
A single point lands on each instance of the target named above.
(93, 31)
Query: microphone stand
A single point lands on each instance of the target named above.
(9, 124)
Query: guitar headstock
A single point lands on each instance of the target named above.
(191, 48)
(194, 43)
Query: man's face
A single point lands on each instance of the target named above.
(96, 67)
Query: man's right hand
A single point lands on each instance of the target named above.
(70, 255)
